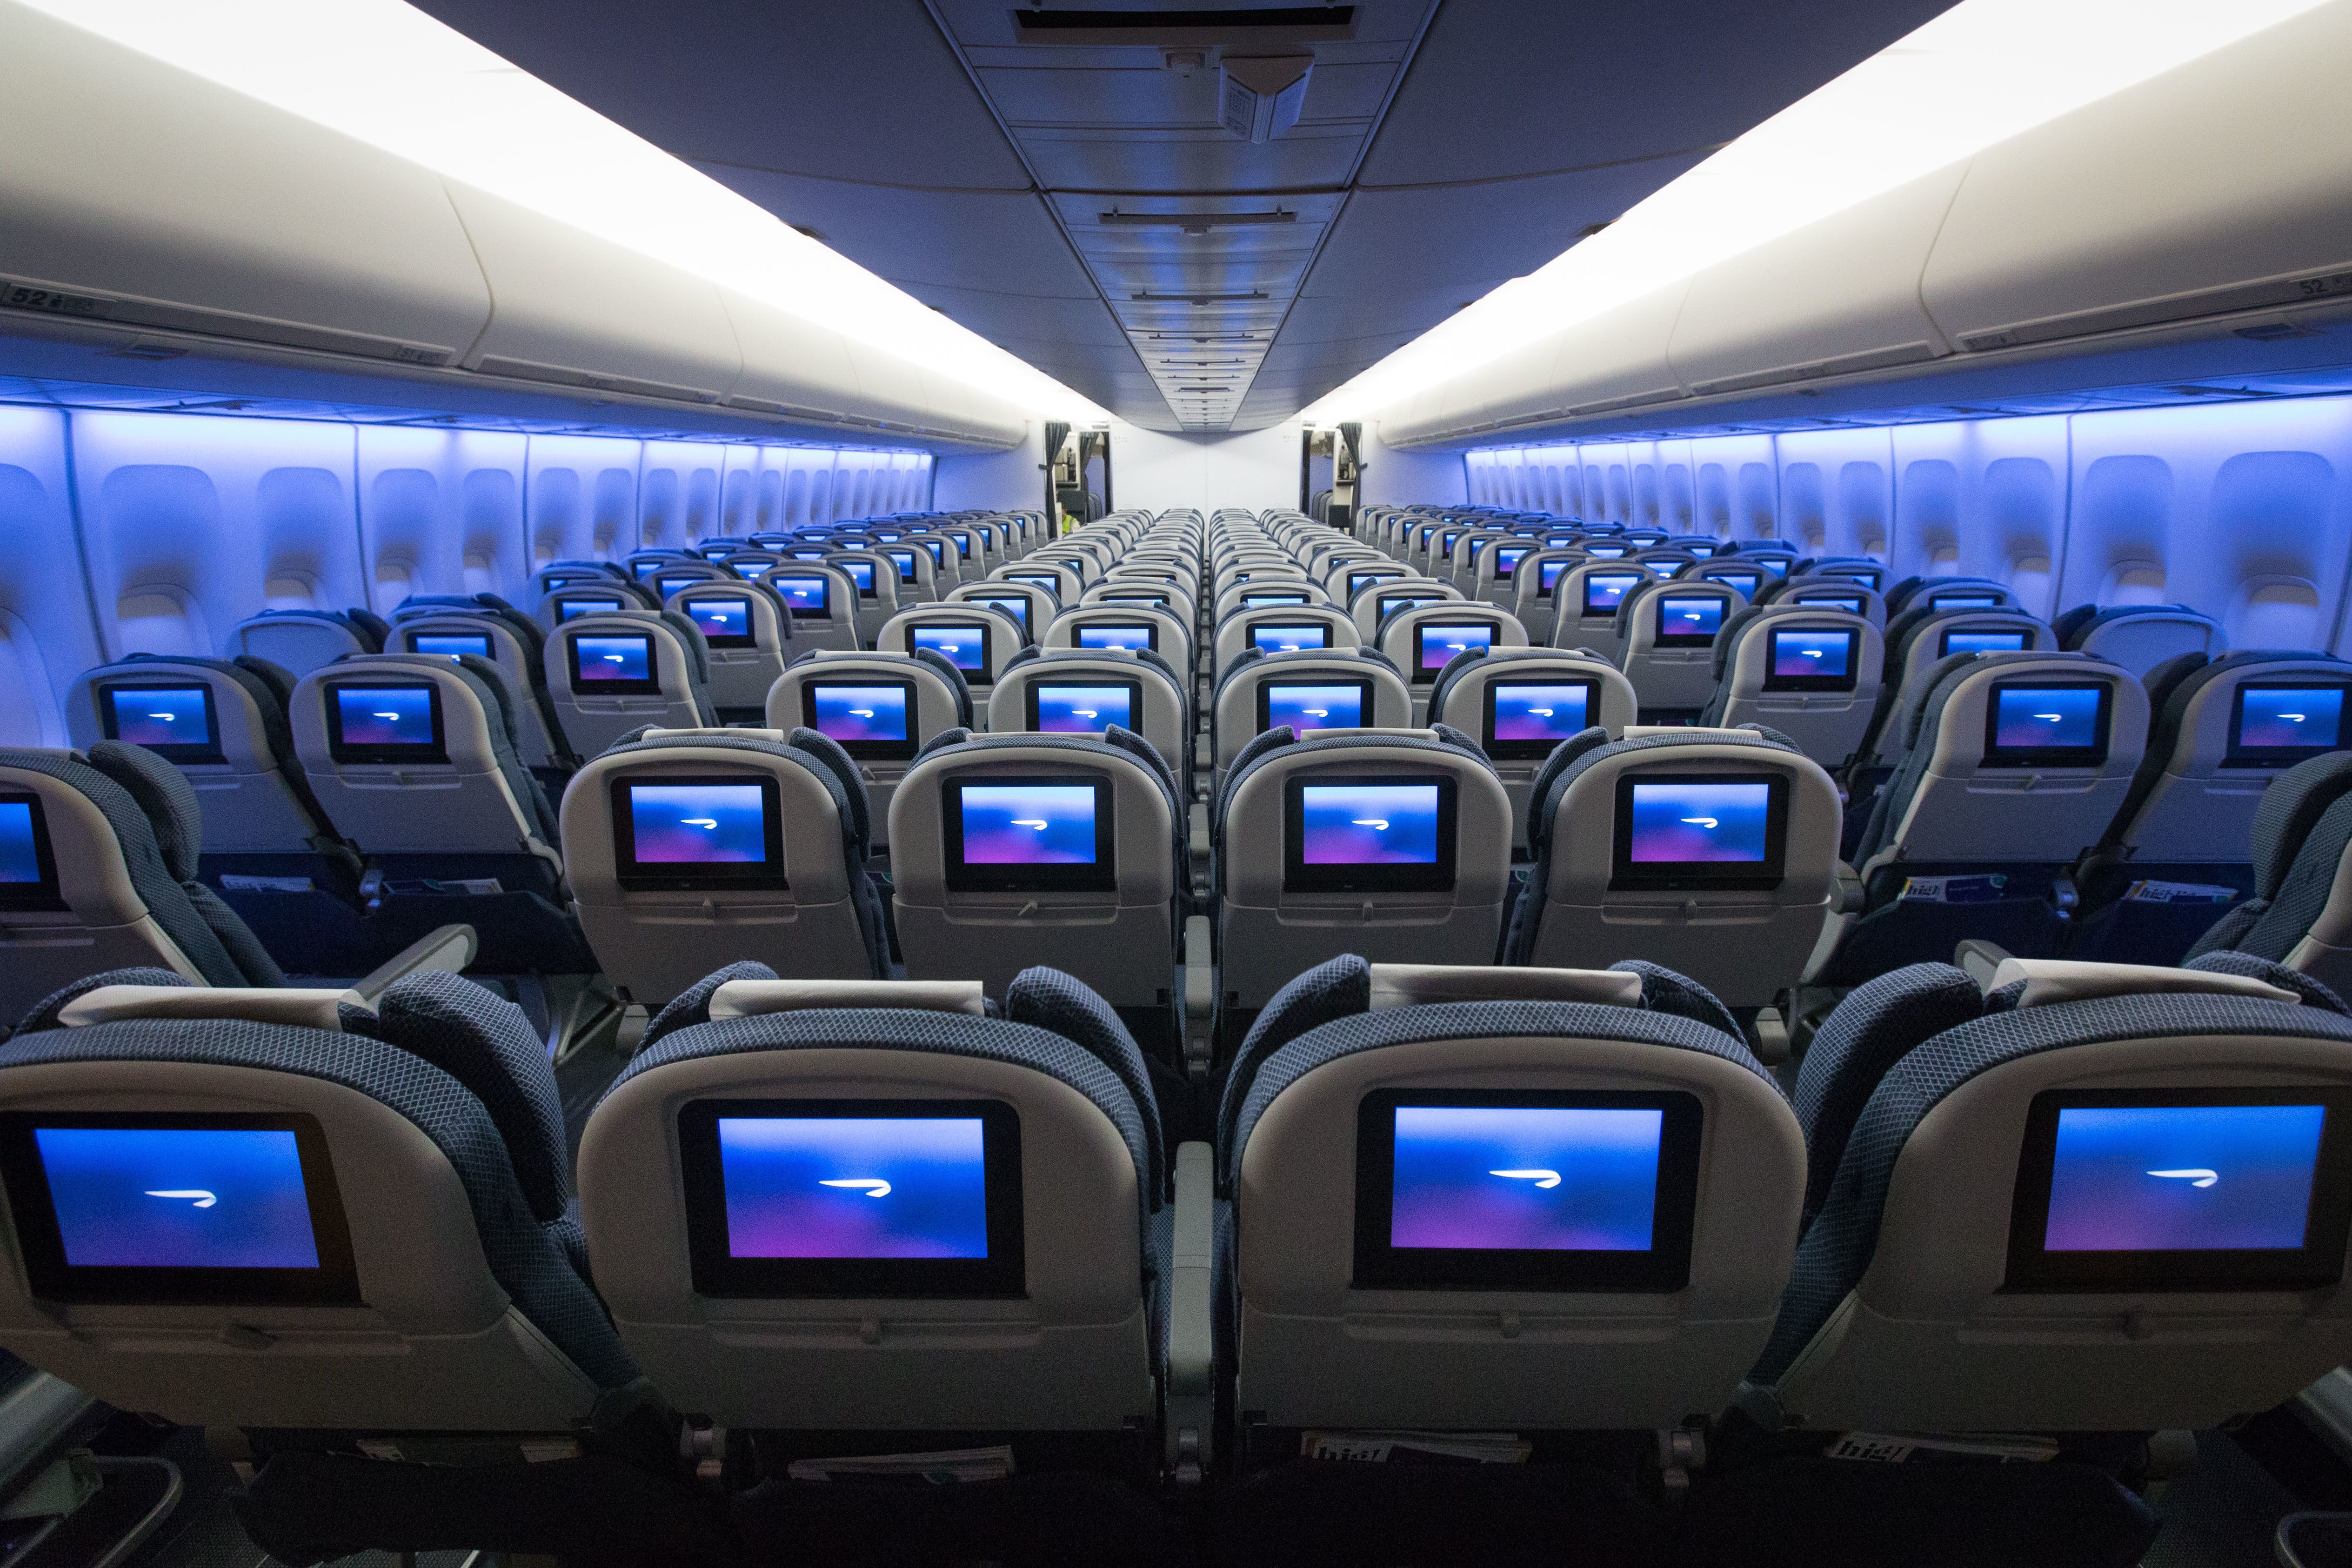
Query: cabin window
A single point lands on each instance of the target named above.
(28, 714)
(161, 619)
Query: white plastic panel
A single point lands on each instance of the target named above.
(1837, 491)
(1837, 295)
(152, 196)
(2224, 184)
(791, 366)
(1734, 488)
(188, 520)
(680, 494)
(1983, 498)
(581, 311)
(441, 512)
(46, 637)
(2239, 512)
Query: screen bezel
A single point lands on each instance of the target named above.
(1533, 750)
(43, 894)
(982, 676)
(411, 754)
(750, 639)
(1133, 688)
(1847, 681)
(1150, 635)
(2091, 755)
(488, 651)
(1281, 623)
(2318, 1264)
(178, 751)
(2237, 756)
(1102, 876)
(871, 750)
(1628, 874)
(824, 613)
(1755, 580)
(41, 1243)
(1424, 674)
(1661, 638)
(1944, 639)
(1277, 599)
(650, 685)
(1584, 594)
(1949, 603)
(1298, 876)
(666, 876)
(1362, 684)
(865, 590)
(1664, 1269)
(717, 1273)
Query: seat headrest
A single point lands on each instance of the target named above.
(2047, 980)
(1416, 985)
(749, 998)
(656, 733)
(320, 1008)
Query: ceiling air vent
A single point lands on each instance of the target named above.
(1195, 27)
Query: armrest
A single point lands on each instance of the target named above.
(1204, 754)
(1979, 958)
(449, 949)
(1851, 893)
(1200, 995)
(1198, 819)
(1192, 1386)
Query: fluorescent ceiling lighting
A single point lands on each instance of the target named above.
(1979, 73)
(389, 74)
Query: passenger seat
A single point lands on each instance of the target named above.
(881, 708)
(613, 673)
(2297, 916)
(1522, 703)
(299, 640)
(2139, 637)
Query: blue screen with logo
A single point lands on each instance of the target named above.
(1823, 653)
(669, 585)
(1129, 638)
(1983, 642)
(1963, 602)
(613, 658)
(1269, 600)
(1368, 824)
(575, 607)
(129, 1198)
(1605, 552)
(697, 824)
(1391, 603)
(854, 1187)
(386, 716)
(1678, 617)
(1049, 581)
(1549, 578)
(2031, 718)
(1850, 603)
(160, 717)
(1028, 824)
(861, 713)
(1744, 582)
(2182, 1178)
(720, 618)
(1306, 708)
(20, 855)
(1082, 710)
(2277, 717)
(1289, 639)
(1507, 558)
(1548, 1178)
(1605, 590)
(1540, 711)
(905, 559)
(448, 646)
(1440, 642)
(1688, 824)
(965, 647)
(807, 595)
(861, 572)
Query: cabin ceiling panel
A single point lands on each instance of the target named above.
(1443, 146)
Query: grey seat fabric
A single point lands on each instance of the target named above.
(1269, 931)
(125, 835)
(1827, 725)
(1744, 944)
(517, 647)
(1464, 697)
(937, 700)
(1959, 845)
(1234, 700)
(748, 635)
(299, 640)
(2297, 916)
(1913, 1097)
(825, 917)
(678, 669)
(1077, 1352)
(445, 1131)
(2138, 636)
(1120, 941)
(1589, 1358)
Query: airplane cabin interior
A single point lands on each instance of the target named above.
(1368, 785)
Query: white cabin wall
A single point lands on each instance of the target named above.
(132, 532)
(1154, 471)
(1007, 481)
(1396, 478)
(2242, 511)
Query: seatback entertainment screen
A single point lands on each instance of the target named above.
(872, 719)
(175, 722)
